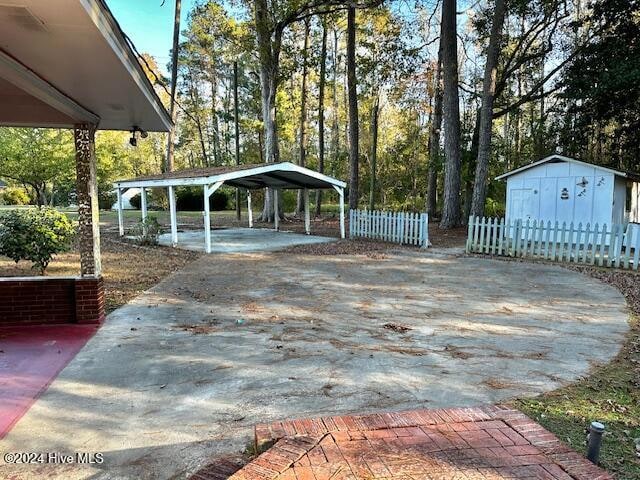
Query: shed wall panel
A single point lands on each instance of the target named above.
(565, 192)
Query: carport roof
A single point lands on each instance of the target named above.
(275, 175)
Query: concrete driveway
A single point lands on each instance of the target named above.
(182, 373)
(242, 240)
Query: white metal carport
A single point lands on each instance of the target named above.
(277, 176)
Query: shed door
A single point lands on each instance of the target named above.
(523, 204)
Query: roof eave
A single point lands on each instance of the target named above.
(117, 39)
(224, 177)
(562, 157)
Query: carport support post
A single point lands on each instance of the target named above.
(174, 216)
(143, 207)
(250, 212)
(340, 191)
(88, 214)
(143, 203)
(208, 191)
(276, 210)
(120, 213)
(307, 215)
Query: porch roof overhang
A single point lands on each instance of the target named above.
(68, 62)
(284, 175)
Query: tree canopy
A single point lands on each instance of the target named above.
(533, 77)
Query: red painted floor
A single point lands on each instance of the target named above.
(31, 357)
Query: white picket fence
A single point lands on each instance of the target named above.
(397, 227)
(617, 246)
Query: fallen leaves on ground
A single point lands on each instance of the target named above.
(128, 269)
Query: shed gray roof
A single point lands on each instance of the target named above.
(276, 175)
(562, 158)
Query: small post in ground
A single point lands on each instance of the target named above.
(307, 213)
(120, 213)
(276, 210)
(249, 211)
(174, 216)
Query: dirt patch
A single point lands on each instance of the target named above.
(394, 327)
(368, 248)
(252, 307)
(456, 352)
(497, 384)
(200, 328)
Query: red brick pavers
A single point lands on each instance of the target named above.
(492, 442)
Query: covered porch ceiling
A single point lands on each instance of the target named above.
(67, 62)
(283, 175)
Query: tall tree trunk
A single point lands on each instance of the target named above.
(321, 88)
(236, 121)
(303, 111)
(451, 116)
(486, 111)
(227, 125)
(354, 150)
(268, 53)
(540, 137)
(335, 127)
(195, 99)
(374, 151)
(434, 141)
(215, 148)
(471, 167)
(168, 165)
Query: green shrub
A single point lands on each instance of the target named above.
(106, 199)
(147, 232)
(289, 200)
(156, 200)
(191, 199)
(136, 201)
(493, 208)
(35, 234)
(14, 196)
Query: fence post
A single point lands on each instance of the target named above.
(500, 235)
(636, 251)
(626, 243)
(619, 245)
(469, 234)
(425, 230)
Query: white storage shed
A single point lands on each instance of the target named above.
(563, 189)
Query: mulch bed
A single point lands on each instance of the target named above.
(128, 269)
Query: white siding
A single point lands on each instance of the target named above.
(565, 192)
(619, 200)
(634, 214)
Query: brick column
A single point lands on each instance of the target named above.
(89, 300)
(88, 216)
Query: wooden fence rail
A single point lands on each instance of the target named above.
(617, 246)
(397, 227)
